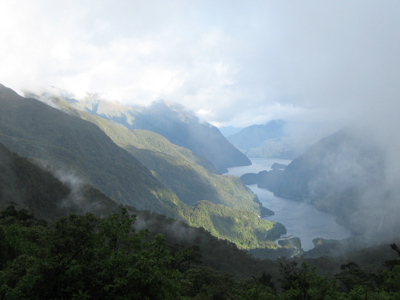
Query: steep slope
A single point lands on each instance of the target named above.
(34, 190)
(345, 174)
(245, 229)
(174, 166)
(30, 187)
(175, 123)
(184, 129)
(37, 190)
(71, 145)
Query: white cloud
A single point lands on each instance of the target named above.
(231, 61)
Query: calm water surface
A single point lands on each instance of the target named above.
(300, 219)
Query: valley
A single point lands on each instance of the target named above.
(66, 162)
(136, 167)
(199, 150)
(301, 220)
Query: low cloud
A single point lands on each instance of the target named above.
(231, 62)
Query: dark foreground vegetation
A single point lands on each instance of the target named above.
(87, 257)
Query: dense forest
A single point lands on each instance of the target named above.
(87, 257)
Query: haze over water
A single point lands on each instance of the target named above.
(300, 219)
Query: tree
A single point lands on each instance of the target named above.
(304, 283)
(82, 257)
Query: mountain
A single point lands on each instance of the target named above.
(185, 173)
(34, 192)
(247, 230)
(229, 130)
(80, 151)
(253, 136)
(348, 175)
(288, 147)
(30, 187)
(70, 145)
(280, 139)
(193, 184)
(175, 123)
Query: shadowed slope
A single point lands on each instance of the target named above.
(71, 145)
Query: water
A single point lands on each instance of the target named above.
(258, 164)
(300, 219)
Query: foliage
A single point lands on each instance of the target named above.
(191, 177)
(24, 183)
(182, 171)
(86, 257)
(173, 122)
(241, 227)
(72, 146)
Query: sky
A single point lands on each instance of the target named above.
(232, 62)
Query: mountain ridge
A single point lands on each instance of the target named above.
(174, 166)
(64, 142)
(74, 145)
(174, 122)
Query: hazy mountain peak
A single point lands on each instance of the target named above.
(172, 109)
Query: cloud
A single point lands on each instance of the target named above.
(229, 60)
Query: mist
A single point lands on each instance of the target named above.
(355, 173)
(231, 63)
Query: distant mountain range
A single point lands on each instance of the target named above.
(277, 138)
(253, 136)
(229, 130)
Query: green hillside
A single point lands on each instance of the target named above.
(175, 123)
(242, 227)
(70, 145)
(36, 190)
(176, 167)
(193, 183)
(40, 261)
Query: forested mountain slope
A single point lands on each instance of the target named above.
(36, 191)
(193, 183)
(26, 186)
(346, 174)
(178, 168)
(70, 145)
(73, 147)
(29, 187)
(174, 122)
